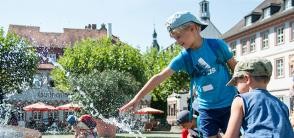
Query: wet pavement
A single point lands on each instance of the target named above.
(157, 134)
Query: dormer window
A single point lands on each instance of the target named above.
(270, 10)
(252, 18)
(248, 20)
(266, 13)
(288, 4)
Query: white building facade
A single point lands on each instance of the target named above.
(268, 32)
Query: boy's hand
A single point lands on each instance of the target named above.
(129, 106)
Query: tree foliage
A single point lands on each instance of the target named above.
(102, 75)
(156, 62)
(104, 92)
(100, 55)
(18, 63)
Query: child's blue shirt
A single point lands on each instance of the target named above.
(211, 87)
(265, 116)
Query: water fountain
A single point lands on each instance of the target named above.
(9, 131)
(13, 54)
(122, 124)
(18, 132)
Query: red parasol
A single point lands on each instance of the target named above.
(69, 106)
(149, 110)
(39, 107)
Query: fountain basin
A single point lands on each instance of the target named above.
(18, 132)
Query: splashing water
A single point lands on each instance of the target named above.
(126, 127)
(7, 131)
(5, 110)
(5, 114)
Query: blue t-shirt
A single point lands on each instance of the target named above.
(265, 116)
(211, 87)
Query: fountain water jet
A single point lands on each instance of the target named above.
(113, 121)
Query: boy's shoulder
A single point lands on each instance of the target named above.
(261, 94)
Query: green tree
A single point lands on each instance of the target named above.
(156, 62)
(104, 92)
(18, 63)
(100, 55)
(102, 75)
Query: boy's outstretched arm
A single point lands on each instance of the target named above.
(149, 86)
(235, 122)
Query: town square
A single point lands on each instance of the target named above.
(150, 69)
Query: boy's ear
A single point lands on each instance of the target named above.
(247, 78)
(196, 27)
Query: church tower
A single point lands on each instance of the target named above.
(204, 10)
(155, 43)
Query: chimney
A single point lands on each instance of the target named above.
(109, 31)
(94, 26)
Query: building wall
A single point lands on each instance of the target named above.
(49, 44)
(175, 104)
(278, 86)
(54, 39)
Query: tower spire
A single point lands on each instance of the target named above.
(155, 43)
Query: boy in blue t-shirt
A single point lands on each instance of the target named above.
(214, 97)
(259, 113)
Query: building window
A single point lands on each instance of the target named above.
(291, 70)
(264, 40)
(37, 115)
(291, 65)
(233, 47)
(288, 4)
(37, 81)
(169, 110)
(252, 44)
(292, 30)
(67, 113)
(280, 35)
(53, 115)
(279, 68)
(52, 57)
(291, 103)
(174, 112)
(244, 46)
(248, 21)
(21, 116)
(204, 8)
(266, 13)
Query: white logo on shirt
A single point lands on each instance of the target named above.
(204, 65)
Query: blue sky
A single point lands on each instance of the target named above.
(132, 20)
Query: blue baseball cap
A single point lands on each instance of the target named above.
(180, 18)
(71, 119)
